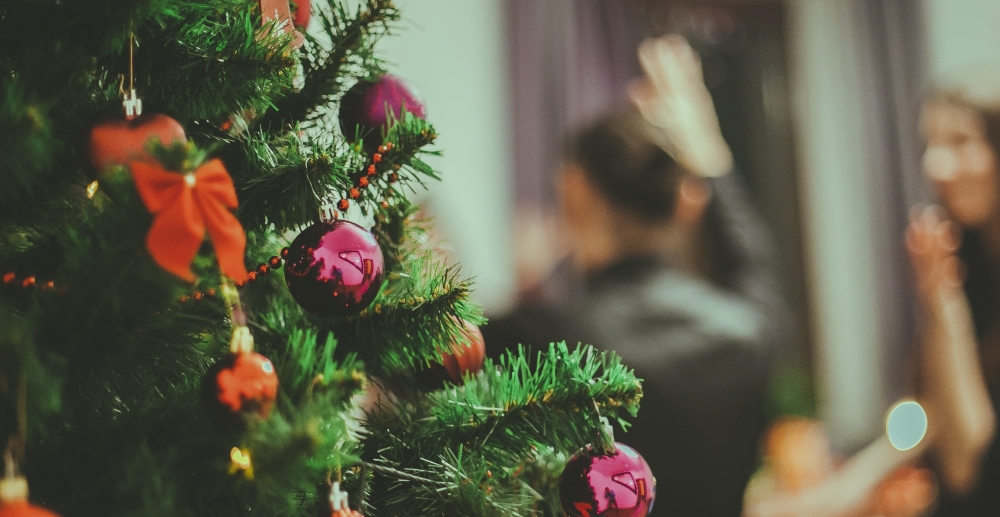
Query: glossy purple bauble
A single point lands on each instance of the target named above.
(617, 485)
(334, 268)
(365, 108)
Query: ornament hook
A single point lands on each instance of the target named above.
(328, 211)
(130, 101)
(242, 340)
(609, 431)
(338, 498)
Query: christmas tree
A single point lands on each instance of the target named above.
(209, 262)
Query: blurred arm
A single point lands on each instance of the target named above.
(743, 245)
(957, 400)
(960, 413)
(672, 96)
(848, 492)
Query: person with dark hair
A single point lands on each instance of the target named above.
(674, 276)
(955, 255)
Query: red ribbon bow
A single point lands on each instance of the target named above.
(185, 206)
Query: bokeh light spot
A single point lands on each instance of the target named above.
(906, 425)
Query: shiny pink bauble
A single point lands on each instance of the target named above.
(617, 485)
(334, 268)
(366, 106)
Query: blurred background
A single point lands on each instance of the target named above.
(818, 99)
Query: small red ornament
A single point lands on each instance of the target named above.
(246, 381)
(303, 12)
(365, 108)
(185, 206)
(334, 268)
(617, 485)
(120, 142)
(466, 357)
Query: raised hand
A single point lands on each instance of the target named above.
(931, 241)
(672, 95)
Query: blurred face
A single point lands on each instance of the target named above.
(960, 163)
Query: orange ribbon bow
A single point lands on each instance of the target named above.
(184, 206)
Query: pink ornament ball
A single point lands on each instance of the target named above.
(617, 485)
(365, 108)
(334, 268)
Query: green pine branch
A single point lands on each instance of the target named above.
(26, 150)
(48, 43)
(345, 49)
(415, 318)
(508, 416)
(214, 60)
(400, 232)
(284, 181)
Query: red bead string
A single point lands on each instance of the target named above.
(371, 171)
(263, 269)
(29, 282)
(274, 262)
(198, 295)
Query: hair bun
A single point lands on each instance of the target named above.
(626, 156)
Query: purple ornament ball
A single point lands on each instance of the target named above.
(616, 485)
(334, 268)
(365, 108)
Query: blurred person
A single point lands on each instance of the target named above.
(955, 256)
(676, 279)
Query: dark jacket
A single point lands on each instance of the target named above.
(702, 349)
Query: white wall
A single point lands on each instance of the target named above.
(453, 51)
(840, 257)
(961, 34)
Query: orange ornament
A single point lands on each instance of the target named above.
(799, 452)
(248, 383)
(14, 499)
(120, 142)
(465, 357)
(24, 509)
(184, 207)
(907, 492)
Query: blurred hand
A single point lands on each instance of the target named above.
(907, 492)
(832, 498)
(931, 241)
(672, 95)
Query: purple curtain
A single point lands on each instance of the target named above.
(569, 61)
